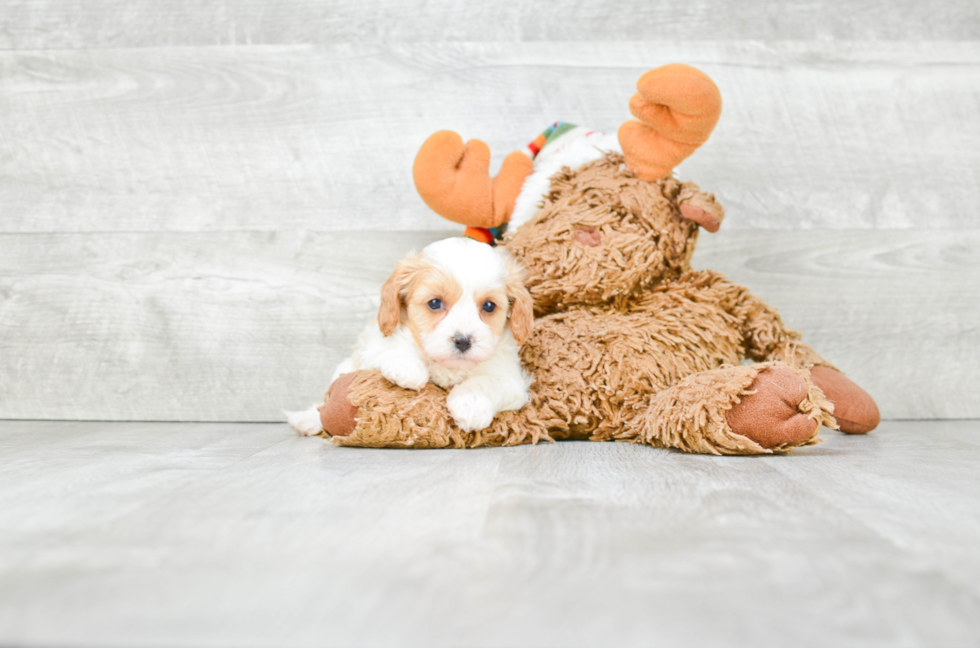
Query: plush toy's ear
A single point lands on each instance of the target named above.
(521, 303)
(677, 107)
(700, 207)
(454, 180)
(394, 291)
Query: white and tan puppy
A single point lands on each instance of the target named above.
(454, 315)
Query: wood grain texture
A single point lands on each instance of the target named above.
(246, 535)
(47, 24)
(814, 135)
(219, 326)
(236, 326)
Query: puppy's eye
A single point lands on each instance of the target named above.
(435, 304)
(489, 307)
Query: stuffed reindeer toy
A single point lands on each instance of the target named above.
(628, 343)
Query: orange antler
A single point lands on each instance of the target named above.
(454, 180)
(678, 107)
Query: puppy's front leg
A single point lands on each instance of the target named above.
(474, 402)
(470, 409)
(406, 370)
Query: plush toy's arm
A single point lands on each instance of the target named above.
(767, 338)
(365, 409)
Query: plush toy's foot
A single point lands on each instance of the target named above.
(337, 415)
(752, 409)
(771, 416)
(854, 409)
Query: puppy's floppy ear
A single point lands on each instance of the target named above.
(395, 290)
(521, 303)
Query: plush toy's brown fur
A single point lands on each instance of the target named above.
(629, 343)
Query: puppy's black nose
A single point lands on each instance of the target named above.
(462, 342)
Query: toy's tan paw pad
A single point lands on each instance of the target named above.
(854, 409)
(769, 416)
(337, 415)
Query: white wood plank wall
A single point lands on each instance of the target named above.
(200, 200)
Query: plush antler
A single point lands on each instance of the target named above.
(454, 180)
(678, 107)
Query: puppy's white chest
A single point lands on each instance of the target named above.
(445, 377)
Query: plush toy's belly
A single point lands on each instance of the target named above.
(595, 369)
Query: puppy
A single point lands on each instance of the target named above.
(454, 315)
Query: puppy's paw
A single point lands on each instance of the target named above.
(408, 375)
(471, 411)
(306, 422)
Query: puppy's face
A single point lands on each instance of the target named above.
(457, 298)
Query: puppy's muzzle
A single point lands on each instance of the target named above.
(462, 342)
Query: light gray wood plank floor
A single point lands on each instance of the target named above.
(119, 534)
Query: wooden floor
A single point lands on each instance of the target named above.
(120, 534)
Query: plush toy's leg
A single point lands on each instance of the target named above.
(365, 409)
(854, 409)
(766, 338)
(756, 409)
(337, 416)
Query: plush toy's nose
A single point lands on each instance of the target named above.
(588, 235)
(462, 342)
